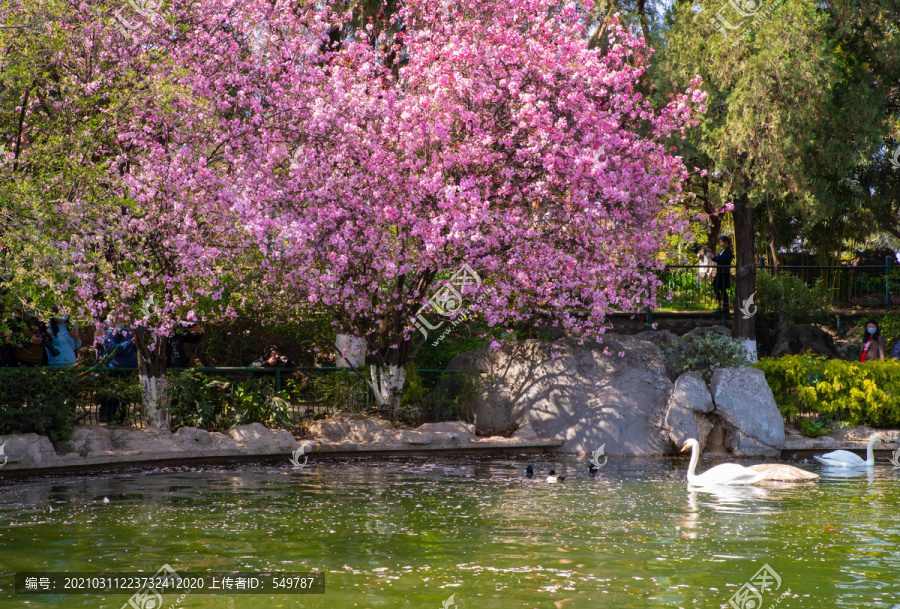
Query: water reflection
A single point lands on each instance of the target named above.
(867, 473)
(408, 533)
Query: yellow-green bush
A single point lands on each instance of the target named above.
(861, 393)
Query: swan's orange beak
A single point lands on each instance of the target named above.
(683, 448)
(883, 443)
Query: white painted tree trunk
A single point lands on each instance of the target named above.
(387, 384)
(750, 346)
(155, 395)
(351, 351)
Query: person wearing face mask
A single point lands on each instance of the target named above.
(65, 341)
(873, 343)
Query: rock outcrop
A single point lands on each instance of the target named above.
(587, 395)
(94, 440)
(258, 439)
(746, 406)
(343, 428)
(688, 405)
(621, 394)
(26, 450)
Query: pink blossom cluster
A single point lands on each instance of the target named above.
(265, 168)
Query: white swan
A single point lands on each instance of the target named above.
(845, 458)
(727, 473)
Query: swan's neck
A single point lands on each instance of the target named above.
(695, 457)
(870, 454)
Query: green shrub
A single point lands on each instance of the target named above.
(453, 399)
(342, 391)
(38, 400)
(890, 329)
(705, 354)
(814, 426)
(786, 299)
(861, 393)
(218, 403)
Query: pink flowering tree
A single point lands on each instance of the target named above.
(479, 136)
(115, 222)
(385, 172)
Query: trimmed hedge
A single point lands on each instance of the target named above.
(860, 393)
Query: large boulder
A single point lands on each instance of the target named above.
(404, 436)
(746, 407)
(87, 441)
(619, 394)
(344, 429)
(192, 438)
(686, 410)
(798, 339)
(612, 393)
(257, 439)
(144, 440)
(26, 450)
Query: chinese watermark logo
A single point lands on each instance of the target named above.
(4, 155)
(595, 458)
(295, 458)
(894, 160)
(450, 602)
(745, 308)
(145, 8)
(744, 9)
(895, 458)
(5, 458)
(149, 597)
(448, 301)
(750, 595)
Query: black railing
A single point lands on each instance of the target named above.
(688, 287)
(310, 392)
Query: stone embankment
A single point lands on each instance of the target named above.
(97, 446)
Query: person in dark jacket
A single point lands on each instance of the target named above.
(31, 352)
(176, 357)
(722, 280)
(873, 343)
(272, 358)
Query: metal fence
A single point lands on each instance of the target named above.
(307, 390)
(845, 287)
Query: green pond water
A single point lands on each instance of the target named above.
(414, 532)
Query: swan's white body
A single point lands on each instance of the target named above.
(727, 473)
(845, 458)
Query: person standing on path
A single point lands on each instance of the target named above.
(722, 281)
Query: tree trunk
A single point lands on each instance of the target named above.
(745, 275)
(713, 229)
(387, 383)
(773, 235)
(154, 383)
